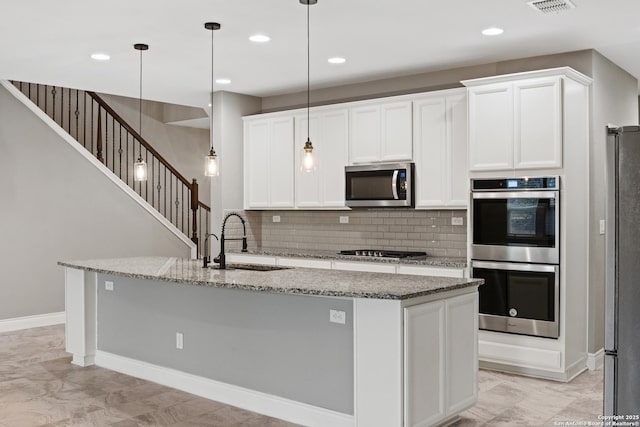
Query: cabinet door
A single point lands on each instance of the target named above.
(396, 139)
(462, 352)
(308, 184)
(491, 127)
(256, 149)
(538, 123)
(457, 192)
(280, 158)
(430, 134)
(424, 363)
(333, 157)
(440, 134)
(364, 134)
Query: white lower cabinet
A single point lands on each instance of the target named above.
(424, 364)
(440, 359)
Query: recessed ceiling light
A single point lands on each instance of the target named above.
(492, 31)
(100, 56)
(223, 81)
(337, 60)
(259, 38)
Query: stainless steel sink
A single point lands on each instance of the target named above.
(252, 267)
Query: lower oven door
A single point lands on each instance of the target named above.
(519, 298)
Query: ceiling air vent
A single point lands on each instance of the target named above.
(548, 6)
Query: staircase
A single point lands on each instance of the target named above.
(99, 129)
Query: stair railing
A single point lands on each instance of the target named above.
(95, 125)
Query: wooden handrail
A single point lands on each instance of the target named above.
(136, 135)
(113, 151)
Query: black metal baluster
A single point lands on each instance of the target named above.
(153, 176)
(53, 103)
(182, 211)
(120, 152)
(92, 115)
(146, 183)
(77, 114)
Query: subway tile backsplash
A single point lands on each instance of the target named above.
(392, 229)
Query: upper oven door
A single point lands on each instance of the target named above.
(381, 185)
(520, 226)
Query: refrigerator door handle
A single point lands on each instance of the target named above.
(611, 238)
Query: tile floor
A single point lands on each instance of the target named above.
(39, 387)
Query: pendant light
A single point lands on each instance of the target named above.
(211, 167)
(308, 162)
(140, 166)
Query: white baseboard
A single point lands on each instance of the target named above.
(595, 361)
(520, 356)
(251, 400)
(27, 322)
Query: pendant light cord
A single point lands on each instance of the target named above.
(211, 95)
(308, 74)
(140, 105)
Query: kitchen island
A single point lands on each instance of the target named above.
(316, 347)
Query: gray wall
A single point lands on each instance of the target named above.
(57, 206)
(614, 101)
(580, 61)
(278, 344)
(227, 189)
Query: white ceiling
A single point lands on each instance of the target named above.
(50, 41)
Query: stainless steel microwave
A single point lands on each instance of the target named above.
(379, 185)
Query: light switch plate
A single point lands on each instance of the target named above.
(276, 218)
(108, 285)
(602, 225)
(179, 340)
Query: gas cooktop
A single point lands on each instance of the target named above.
(381, 253)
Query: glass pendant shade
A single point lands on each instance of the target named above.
(308, 161)
(140, 170)
(211, 167)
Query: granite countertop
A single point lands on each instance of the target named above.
(307, 281)
(451, 262)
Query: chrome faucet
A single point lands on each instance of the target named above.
(206, 258)
(221, 258)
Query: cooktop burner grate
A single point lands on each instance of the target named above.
(381, 253)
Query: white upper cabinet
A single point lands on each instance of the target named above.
(323, 188)
(268, 162)
(440, 144)
(491, 127)
(538, 123)
(516, 124)
(380, 132)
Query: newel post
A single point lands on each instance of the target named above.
(194, 211)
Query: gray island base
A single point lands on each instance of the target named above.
(314, 347)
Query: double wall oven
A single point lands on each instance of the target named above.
(515, 248)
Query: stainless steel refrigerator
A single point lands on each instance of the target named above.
(622, 303)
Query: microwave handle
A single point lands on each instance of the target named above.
(394, 184)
